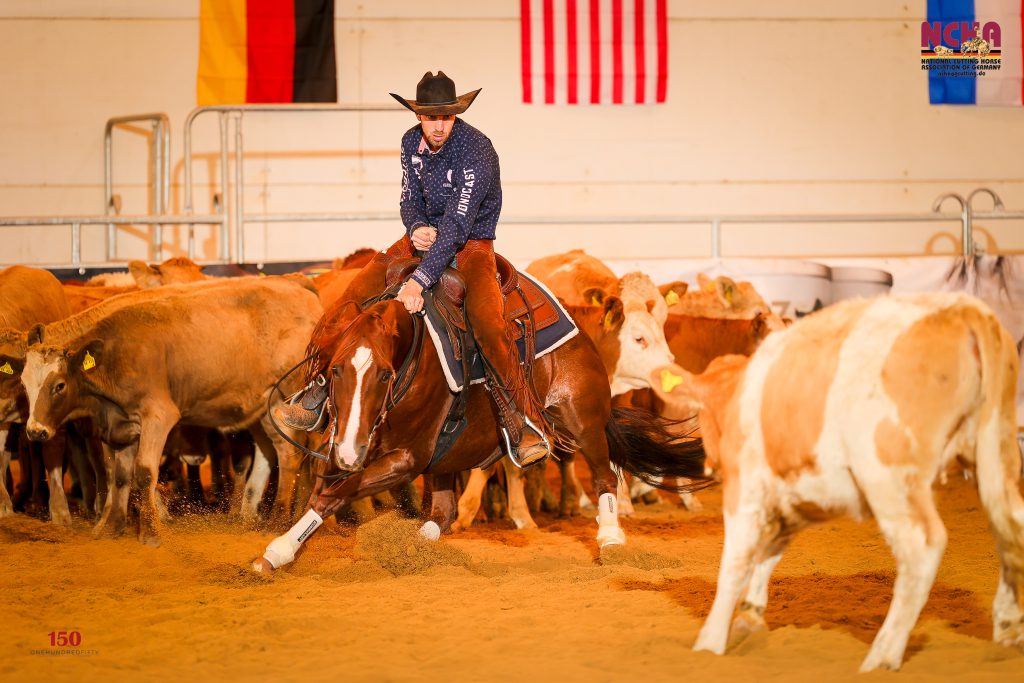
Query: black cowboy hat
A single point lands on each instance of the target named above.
(435, 96)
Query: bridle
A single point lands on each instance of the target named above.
(398, 386)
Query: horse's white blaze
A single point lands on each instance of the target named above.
(346, 450)
(35, 373)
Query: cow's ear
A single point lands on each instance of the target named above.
(88, 357)
(673, 291)
(675, 386)
(145, 276)
(613, 314)
(703, 281)
(594, 296)
(726, 290)
(36, 334)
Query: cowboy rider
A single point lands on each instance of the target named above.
(451, 200)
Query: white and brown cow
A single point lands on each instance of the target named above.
(27, 296)
(857, 410)
(205, 354)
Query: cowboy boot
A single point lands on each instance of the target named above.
(525, 440)
(307, 409)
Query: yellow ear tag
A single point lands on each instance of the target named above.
(672, 298)
(6, 368)
(669, 381)
(88, 363)
(594, 301)
(607, 322)
(728, 294)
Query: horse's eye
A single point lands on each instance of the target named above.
(386, 376)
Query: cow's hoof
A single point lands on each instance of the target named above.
(61, 518)
(261, 566)
(6, 510)
(108, 532)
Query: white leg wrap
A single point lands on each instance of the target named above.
(282, 549)
(430, 531)
(608, 530)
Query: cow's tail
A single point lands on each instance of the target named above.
(997, 453)
(645, 445)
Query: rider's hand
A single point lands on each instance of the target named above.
(411, 296)
(424, 237)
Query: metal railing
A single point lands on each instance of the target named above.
(236, 214)
(231, 217)
(160, 170)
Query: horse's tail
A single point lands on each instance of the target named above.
(644, 444)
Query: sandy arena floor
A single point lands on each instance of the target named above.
(488, 604)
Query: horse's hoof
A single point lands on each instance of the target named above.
(261, 566)
(609, 536)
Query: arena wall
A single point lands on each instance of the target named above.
(785, 107)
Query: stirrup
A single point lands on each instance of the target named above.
(513, 451)
(312, 400)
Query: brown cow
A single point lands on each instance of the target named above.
(205, 355)
(27, 296)
(857, 410)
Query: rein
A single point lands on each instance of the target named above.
(398, 386)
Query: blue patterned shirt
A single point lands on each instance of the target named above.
(457, 190)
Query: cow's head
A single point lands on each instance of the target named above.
(362, 377)
(12, 361)
(640, 338)
(173, 271)
(53, 377)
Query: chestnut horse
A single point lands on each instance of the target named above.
(389, 401)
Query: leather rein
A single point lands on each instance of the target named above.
(398, 386)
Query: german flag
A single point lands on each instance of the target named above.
(254, 51)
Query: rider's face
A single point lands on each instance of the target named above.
(436, 129)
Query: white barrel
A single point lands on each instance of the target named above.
(792, 288)
(850, 283)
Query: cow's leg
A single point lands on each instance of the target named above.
(392, 469)
(912, 527)
(1000, 494)
(518, 510)
(119, 463)
(156, 425)
(571, 494)
(750, 616)
(6, 505)
(742, 534)
(442, 506)
(53, 463)
(256, 483)
(288, 463)
(469, 501)
(81, 464)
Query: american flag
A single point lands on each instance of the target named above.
(594, 51)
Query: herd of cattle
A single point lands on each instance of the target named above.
(856, 409)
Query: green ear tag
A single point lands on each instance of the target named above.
(88, 363)
(6, 368)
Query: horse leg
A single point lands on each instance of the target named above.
(517, 508)
(586, 420)
(395, 467)
(442, 506)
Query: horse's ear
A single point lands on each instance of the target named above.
(594, 296)
(613, 315)
(35, 335)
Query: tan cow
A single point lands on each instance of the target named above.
(858, 409)
(28, 296)
(722, 297)
(205, 355)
